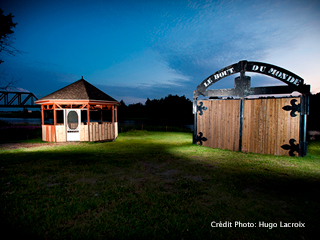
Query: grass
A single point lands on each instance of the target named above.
(156, 185)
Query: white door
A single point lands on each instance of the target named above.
(73, 124)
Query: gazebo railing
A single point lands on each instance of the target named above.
(99, 131)
(105, 131)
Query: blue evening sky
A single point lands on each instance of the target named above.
(134, 50)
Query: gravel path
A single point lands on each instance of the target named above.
(9, 146)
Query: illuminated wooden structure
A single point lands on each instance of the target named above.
(231, 120)
(79, 112)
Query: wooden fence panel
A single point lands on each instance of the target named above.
(219, 124)
(267, 126)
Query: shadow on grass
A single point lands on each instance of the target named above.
(154, 187)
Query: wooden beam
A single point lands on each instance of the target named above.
(101, 114)
(79, 102)
(54, 115)
(42, 115)
(219, 92)
(272, 90)
(88, 120)
(58, 106)
(112, 113)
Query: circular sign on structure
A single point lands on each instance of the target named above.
(243, 89)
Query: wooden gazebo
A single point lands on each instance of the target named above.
(78, 112)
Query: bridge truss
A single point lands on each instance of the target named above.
(18, 99)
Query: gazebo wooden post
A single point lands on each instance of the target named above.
(112, 113)
(101, 115)
(42, 115)
(54, 137)
(54, 115)
(116, 113)
(88, 120)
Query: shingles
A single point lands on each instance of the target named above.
(79, 90)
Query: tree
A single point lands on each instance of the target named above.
(7, 84)
(122, 110)
(6, 26)
(6, 41)
(313, 117)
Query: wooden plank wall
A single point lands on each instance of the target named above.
(43, 132)
(101, 132)
(220, 124)
(98, 132)
(115, 129)
(51, 133)
(84, 136)
(266, 126)
(48, 133)
(61, 135)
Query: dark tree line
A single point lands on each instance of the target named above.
(313, 119)
(173, 109)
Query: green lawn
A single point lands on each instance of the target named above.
(157, 185)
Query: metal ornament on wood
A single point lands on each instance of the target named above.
(293, 108)
(201, 138)
(201, 108)
(292, 147)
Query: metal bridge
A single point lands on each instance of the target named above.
(18, 99)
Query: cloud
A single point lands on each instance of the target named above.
(223, 33)
(132, 100)
(143, 70)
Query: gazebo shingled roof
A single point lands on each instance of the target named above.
(79, 90)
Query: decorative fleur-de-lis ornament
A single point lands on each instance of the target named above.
(200, 138)
(291, 146)
(201, 108)
(293, 108)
